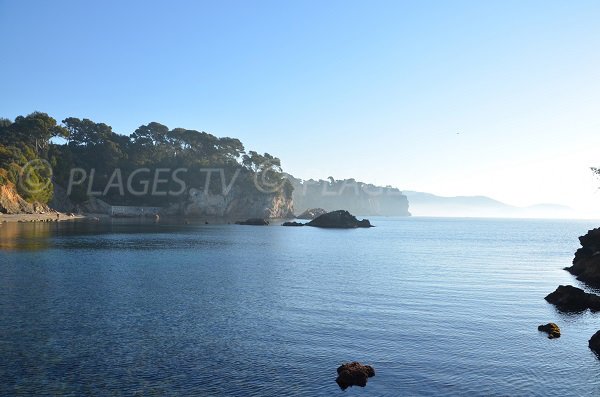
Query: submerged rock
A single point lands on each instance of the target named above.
(312, 213)
(551, 329)
(572, 299)
(353, 374)
(586, 263)
(340, 220)
(594, 343)
(254, 222)
(292, 224)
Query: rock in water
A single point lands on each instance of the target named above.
(254, 222)
(353, 374)
(551, 329)
(586, 263)
(339, 220)
(571, 299)
(292, 224)
(594, 343)
(312, 213)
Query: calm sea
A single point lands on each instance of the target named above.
(438, 307)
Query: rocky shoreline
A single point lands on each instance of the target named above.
(586, 268)
(51, 216)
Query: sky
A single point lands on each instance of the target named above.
(495, 98)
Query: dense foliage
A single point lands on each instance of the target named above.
(98, 151)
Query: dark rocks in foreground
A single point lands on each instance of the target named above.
(571, 299)
(551, 329)
(586, 263)
(312, 213)
(594, 343)
(254, 222)
(353, 374)
(340, 219)
(292, 224)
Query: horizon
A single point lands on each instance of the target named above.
(461, 99)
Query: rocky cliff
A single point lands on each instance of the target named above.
(238, 203)
(357, 197)
(586, 263)
(12, 203)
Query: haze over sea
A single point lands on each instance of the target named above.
(439, 306)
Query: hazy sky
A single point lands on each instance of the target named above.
(450, 97)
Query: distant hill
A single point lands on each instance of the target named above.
(427, 204)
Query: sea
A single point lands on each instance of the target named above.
(438, 306)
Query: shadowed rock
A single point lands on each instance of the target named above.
(339, 220)
(594, 343)
(253, 222)
(292, 224)
(551, 329)
(312, 213)
(353, 374)
(571, 299)
(586, 263)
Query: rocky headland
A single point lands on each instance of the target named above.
(357, 197)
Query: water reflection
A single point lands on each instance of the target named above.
(35, 236)
(31, 236)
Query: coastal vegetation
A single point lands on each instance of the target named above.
(37, 153)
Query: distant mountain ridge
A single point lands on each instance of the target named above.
(427, 204)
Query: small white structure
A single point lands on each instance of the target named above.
(126, 211)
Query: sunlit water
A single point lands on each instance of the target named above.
(437, 306)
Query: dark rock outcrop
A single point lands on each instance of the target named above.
(340, 219)
(567, 298)
(551, 329)
(353, 374)
(292, 224)
(254, 222)
(312, 213)
(586, 263)
(594, 343)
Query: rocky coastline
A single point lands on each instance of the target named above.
(586, 262)
(586, 268)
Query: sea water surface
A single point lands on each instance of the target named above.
(437, 306)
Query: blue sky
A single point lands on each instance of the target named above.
(450, 97)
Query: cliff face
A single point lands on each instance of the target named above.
(60, 201)
(357, 197)
(586, 263)
(236, 204)
(12, 203)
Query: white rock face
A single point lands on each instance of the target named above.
(235, 204)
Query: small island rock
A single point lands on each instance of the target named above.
(353, 374)
(339, 220)
(572, 299)
(551, 329)
(254, 222)
(312, 213)
(292, 224)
